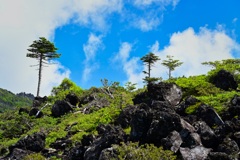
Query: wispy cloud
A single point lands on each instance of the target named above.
(94, 13)
(131, 65)
(151, 17)
(162, 3)
(90, 49)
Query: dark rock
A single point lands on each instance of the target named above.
(38, 101)
(224, 130)
(169, 92)
(60, 108)
(189, 101)
(76, 152)
(172, 142)
(235, 100)
(23, 110)
(228, 146)
(96, 104)
(141, 98)
(224, 80)
(108, 135)
(35, 143)
(17, 154)
(108, 154)
(72, 99)
(218, 156)
(161, 106)
(140, 122)
(196, 153)
(162, 124)
(209, 115)
(36, 113)
(61, 144)
(124, 117)
(236, 137)
(190, 140)
(87, 140)
(208, 137)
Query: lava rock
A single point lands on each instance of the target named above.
(60, 108)
(172, 142)
(72, 99)
(124, 117)
(36, 113)
(224, 80)
(196, 153)
(108, 135)
(35, 143)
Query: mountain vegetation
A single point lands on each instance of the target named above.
(194, 117)
(9, 100)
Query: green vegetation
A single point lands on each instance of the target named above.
(14, 126)
(133, 151)
(8, 100)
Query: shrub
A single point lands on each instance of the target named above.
(133, 151)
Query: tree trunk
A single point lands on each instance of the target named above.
(39, 74)
(149, 69)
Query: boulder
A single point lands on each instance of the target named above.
(60, 108)
(189, 101)
(224, 80)
(140, 122)
(209, 115)
(172, 142)
(124, 117)
(95, 104)
(72, 99)
(196, 153)
(38, 101)
(169, 92)
(218, 156)
(229, 147)
(108, 135)
(35, 143)
(17, 154)
(76, 153)
(162, 124)
(36, 112)
(23, 110)
(208, 137)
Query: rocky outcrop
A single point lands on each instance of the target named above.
(60, 108)
(224, 80)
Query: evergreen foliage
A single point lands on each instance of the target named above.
(44, 51)
(149, 61)
(171, 64)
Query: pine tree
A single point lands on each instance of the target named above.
(171, 64)
(149, 60)
(42, 50)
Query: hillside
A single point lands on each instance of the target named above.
(183, 118)
(9, 100)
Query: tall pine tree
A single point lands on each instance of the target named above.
(42, 50)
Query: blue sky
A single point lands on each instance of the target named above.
(106, 38)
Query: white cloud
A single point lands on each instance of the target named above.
(151, 15)
(163, 3)
(194, 48)
(24, 21)
(90, 49)
(95, 12)
(147, 24)
(130, 65)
